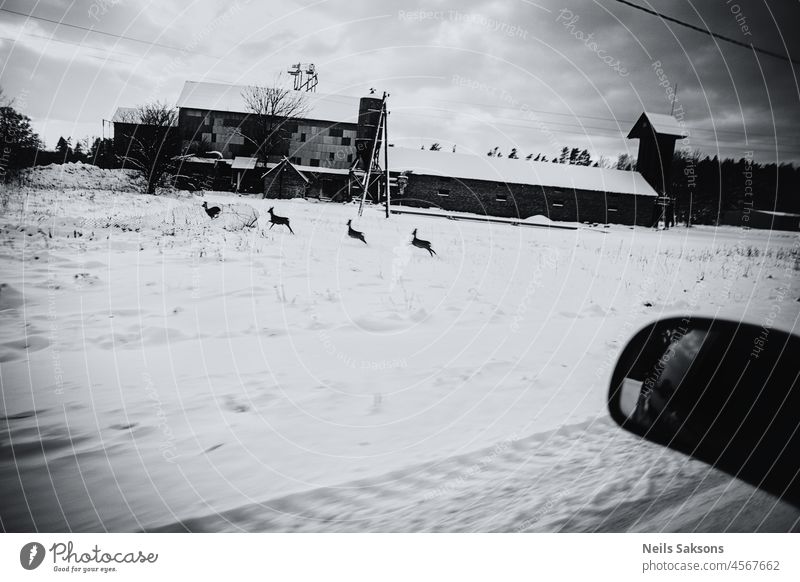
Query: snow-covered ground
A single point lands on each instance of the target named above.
(161, 368)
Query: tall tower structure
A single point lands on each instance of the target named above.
(657, 134)
(371, 136)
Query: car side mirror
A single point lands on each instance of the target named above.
(723, 392)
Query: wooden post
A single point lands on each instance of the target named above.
(386, 156)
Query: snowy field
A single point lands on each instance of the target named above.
(161, 370)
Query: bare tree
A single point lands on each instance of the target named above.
(273, 109)
(150, 140)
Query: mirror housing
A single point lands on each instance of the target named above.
(723, 392)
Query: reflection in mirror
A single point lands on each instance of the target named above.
(717, 391)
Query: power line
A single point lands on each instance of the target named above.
(104, 33)
(77, 44)
(706, 31)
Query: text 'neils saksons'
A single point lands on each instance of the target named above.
(664, 548)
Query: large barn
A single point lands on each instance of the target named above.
(214, 116)
(519, 189)
(217, 114)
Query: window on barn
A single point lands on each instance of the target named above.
(444, 192)
(313, 162)
(295, 160)
(302, 137)
(331, 155)
(349, 157)
(345, 141)
(336, 132)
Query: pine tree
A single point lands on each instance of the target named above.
(435, 147)
(64, 149)
(21, 143)
(573, 156)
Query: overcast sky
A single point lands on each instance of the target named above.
(477, 74)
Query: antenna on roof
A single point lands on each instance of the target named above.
(305, 76)
(674, 99)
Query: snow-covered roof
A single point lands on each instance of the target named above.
(663, 124)
(323, 170)
(303, 170)
(125, 115)
(473, 167)
(243, 163)
(191, 159)
(131, 115)
(285, 162)
(225, 97)
(777, 213)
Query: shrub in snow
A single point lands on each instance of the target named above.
(80, 176)
(233, 216)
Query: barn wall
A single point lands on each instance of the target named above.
(523, 200)
(307, 142)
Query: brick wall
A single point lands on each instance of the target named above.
(523, 201)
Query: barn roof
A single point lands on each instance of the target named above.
(473, 167)
(243, 163)
(225, 97)
(131, 115)
(282, 164)
(662, 124)
(125, 115)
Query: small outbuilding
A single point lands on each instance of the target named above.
(289, 180)
(284, 180)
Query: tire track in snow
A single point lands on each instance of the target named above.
(605, 484)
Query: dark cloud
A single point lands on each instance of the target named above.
(514, 74)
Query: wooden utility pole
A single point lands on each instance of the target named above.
(386, 156)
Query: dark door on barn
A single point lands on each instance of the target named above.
(330, 188)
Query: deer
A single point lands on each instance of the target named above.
(275, 219)
(422, 244)
(352, 233)
(213, 212)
